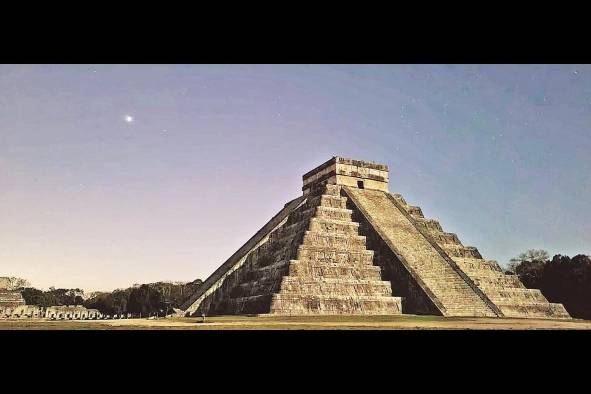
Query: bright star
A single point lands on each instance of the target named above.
(128, 118)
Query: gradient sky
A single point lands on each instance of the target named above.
(499, 154)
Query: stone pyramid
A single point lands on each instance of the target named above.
(348, 246)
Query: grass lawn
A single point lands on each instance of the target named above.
(404, 322)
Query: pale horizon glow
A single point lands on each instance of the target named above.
(205, 155)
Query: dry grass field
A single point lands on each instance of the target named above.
(406, 322)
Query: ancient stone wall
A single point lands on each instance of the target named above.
(11, 298)
(64, 312)
(347, 172)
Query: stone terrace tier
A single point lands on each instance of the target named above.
(315, 263)
(505, 291)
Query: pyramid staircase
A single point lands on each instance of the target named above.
(315, 263)
(444, 286)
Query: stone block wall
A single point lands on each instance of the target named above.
(11, 298)
(347, 172)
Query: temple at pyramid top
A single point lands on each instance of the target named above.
(347, 172)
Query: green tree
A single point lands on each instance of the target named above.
(563, 280)
(532, 255)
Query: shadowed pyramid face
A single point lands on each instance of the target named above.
(347, 172)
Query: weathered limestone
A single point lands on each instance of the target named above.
(348, 246)
(314, 263)
(348, 172)
(506, 291)
(449, 292)
(11, 298)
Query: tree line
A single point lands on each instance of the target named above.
(53, 296)
(140, 299)
(145, 299)
(561, 279)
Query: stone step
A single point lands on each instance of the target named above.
(305, 304)
(477, 264)
(515, 295)
(311, 285)
(497, 281)
(454, 250)
(335, 247)
(534, 310)
(323, 225)
(414, 211)
(333, 190)
(336, 240)
(333, 213)
(398, 197)
(466, 311)
(334, 286)
(327, 200)
(429, 225)
(446, 238)
(334, 255)
(334, 270)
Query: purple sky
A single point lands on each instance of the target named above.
(500, 154)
